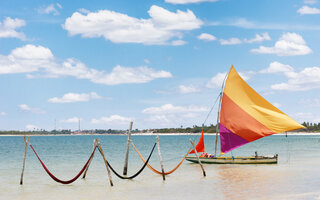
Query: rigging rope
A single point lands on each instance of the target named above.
(59, 180)
(136, 174)
(212, 108)
(156, 171)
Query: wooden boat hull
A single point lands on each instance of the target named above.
(236, 160)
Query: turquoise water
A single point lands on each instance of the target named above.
(296, 176)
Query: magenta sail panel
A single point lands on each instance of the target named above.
(229, 140)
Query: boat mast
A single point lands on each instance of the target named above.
(217, 127)
(218, 116)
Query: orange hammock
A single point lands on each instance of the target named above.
(156, 171)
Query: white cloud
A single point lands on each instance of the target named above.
(38, 61)
(170, 115)
(8, 28)
(3, 113)
(276, 67)
(26, 108)
(306, 79)
(178, 42)
(71, 120)
(50, 9)
(217, 80)
(166, 20)
(184, 89)
(289, 44)
(248, 24)
(31, 52)
(191, 115)
(160, 29)
(231, 41)
(31, 127)
(173, 120)
(188, 1)
(169, 109)
(163, 119)
(28, 58)
(83, 10)
(113, 119)
(181, 89)
(257, 38)
(240, 22)
(146, 61)
(306, 10)
(206, 37)
(74, 97)
(121, 75)
(310, 1)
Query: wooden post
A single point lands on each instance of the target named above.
(86, 170)
(195, 152)
(125, 168)
(26, 141)
(160, 158)
(105, 162)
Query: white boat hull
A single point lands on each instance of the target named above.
(236, 160)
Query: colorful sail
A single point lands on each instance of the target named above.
(245, 116)
(200, 145)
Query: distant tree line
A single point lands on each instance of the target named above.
(310, 127)
(195, 129)
(66, 132)
(36, 132)
(104, 131)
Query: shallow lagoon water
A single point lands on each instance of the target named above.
(296, 176)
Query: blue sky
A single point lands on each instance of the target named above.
(159, 63)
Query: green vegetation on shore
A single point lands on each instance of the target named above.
(310, 127)
(194, 129)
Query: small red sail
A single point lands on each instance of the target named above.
(200, 145)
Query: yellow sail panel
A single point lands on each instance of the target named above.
(256, 106)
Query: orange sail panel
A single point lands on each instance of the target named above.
(240, 122)
(246, 116)
(200, 145)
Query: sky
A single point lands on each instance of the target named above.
(158, 63)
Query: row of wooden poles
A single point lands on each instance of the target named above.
(96, 143)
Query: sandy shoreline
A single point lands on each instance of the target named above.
(167, 134)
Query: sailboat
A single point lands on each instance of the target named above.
(243, 117)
